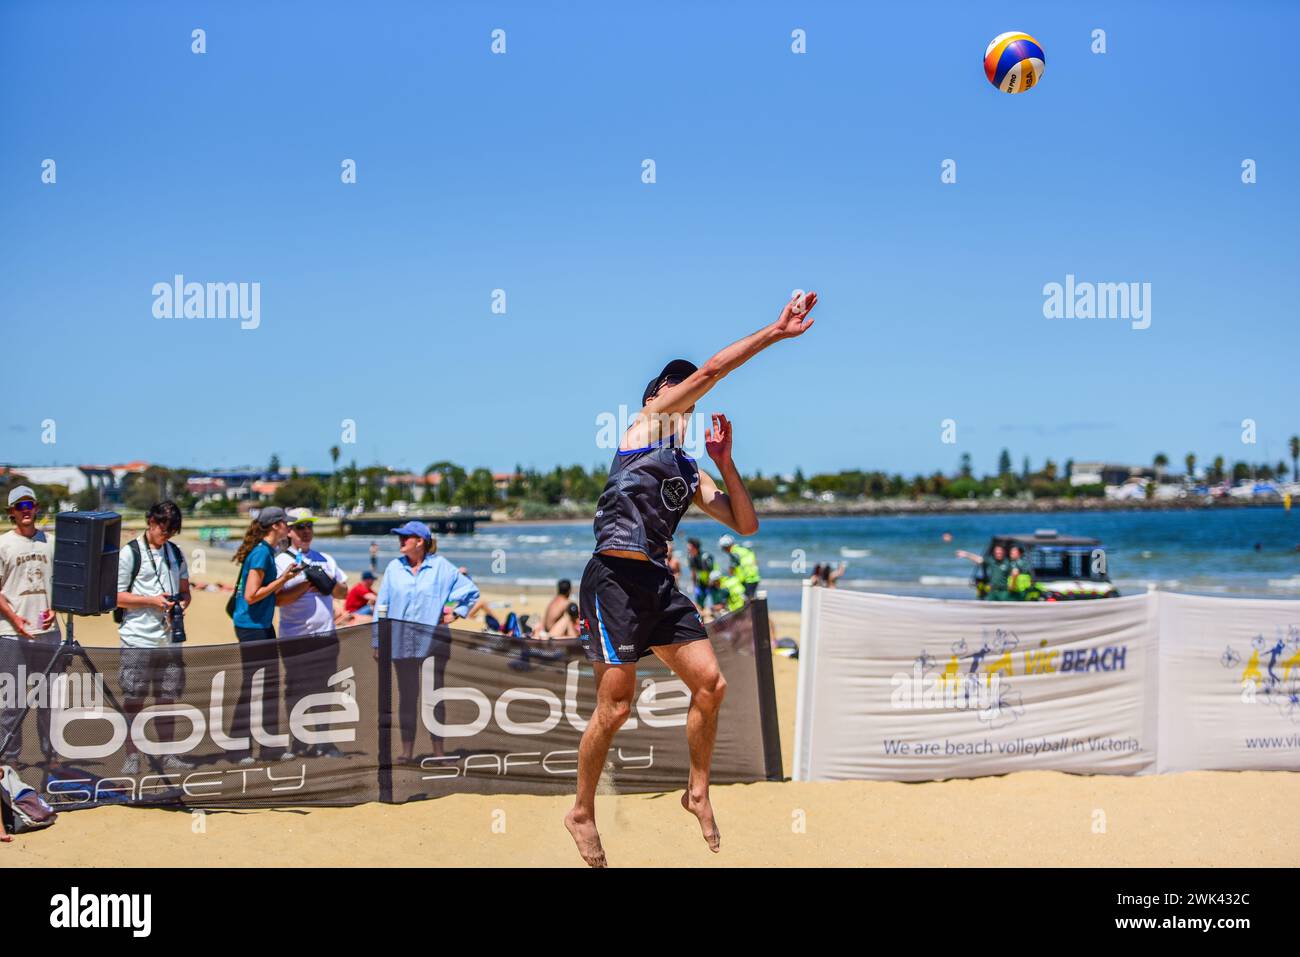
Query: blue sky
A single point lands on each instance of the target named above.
(522, 172)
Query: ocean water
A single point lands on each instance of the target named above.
(1202, 552)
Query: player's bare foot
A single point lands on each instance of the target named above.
(587, 838)
(703, 810)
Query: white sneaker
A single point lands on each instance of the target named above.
(248, 759)
(288, 756)
(132, 763)
(174, 764)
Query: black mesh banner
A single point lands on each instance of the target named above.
(390, 711)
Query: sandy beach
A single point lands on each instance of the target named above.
(1033, 818)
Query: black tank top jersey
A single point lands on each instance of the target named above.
(648, 492)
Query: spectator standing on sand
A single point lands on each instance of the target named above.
(420, 591)
(29, 632)
(308, 645)
(150, 571)
(254, 616)
(374, 556)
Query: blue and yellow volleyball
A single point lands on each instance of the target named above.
(1014, 62)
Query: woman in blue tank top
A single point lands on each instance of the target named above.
(630, 604)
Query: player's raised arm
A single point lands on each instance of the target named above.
(681, 396)
(733, 508)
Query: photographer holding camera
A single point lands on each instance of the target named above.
(309, 646)
(153, 591)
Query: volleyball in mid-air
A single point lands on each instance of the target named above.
(1014, 62)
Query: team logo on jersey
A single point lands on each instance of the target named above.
(675, 492)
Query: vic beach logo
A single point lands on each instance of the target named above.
(75, 909)
(977, 677)
(1271, 674)
(1101, 300)
(179, 299)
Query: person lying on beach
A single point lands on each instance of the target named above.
(565, 627)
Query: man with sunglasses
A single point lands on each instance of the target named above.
(630, 604)
(151, 572)
(29, 632)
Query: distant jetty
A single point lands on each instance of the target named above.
(381, 523)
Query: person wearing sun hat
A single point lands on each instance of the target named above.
(420, 591)
(29, 631)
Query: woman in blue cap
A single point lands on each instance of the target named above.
(630, 604)
(420, 591)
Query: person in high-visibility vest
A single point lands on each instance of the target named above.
(728, 592)
(1019, 581)
(744, 565)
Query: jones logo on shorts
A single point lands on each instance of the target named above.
(675, 492)
(102, 910)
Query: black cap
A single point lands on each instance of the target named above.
(677, 369)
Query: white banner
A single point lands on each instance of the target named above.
(915, 689)
(1229, 684)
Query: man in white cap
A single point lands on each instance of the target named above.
(29, 632)
(311, 650)
(744, 565)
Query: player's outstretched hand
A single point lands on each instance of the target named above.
(794, 319)
(717, 440)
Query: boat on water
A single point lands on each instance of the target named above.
(1062, 567)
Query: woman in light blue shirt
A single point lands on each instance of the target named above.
(420, 591)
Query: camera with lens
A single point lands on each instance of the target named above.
(175, 619)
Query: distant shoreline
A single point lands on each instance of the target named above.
(873, 507)
(766, 508)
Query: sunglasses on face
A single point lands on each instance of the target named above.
(25, 506)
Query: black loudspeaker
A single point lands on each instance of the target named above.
(85, 561)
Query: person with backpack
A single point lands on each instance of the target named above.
(153, 591)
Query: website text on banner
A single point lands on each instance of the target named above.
(321, 721)
(1229, 684)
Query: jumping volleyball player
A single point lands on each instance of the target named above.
(629, 603)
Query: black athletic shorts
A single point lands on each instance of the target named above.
(629, 606)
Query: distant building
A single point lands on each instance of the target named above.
(108, 480)
(1108, 473)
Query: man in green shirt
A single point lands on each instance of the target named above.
(997, 572)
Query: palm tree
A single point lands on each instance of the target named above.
(1190, 461)
(334, 479)
(1295, 458)
(1161, 462)
(1218, 468)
